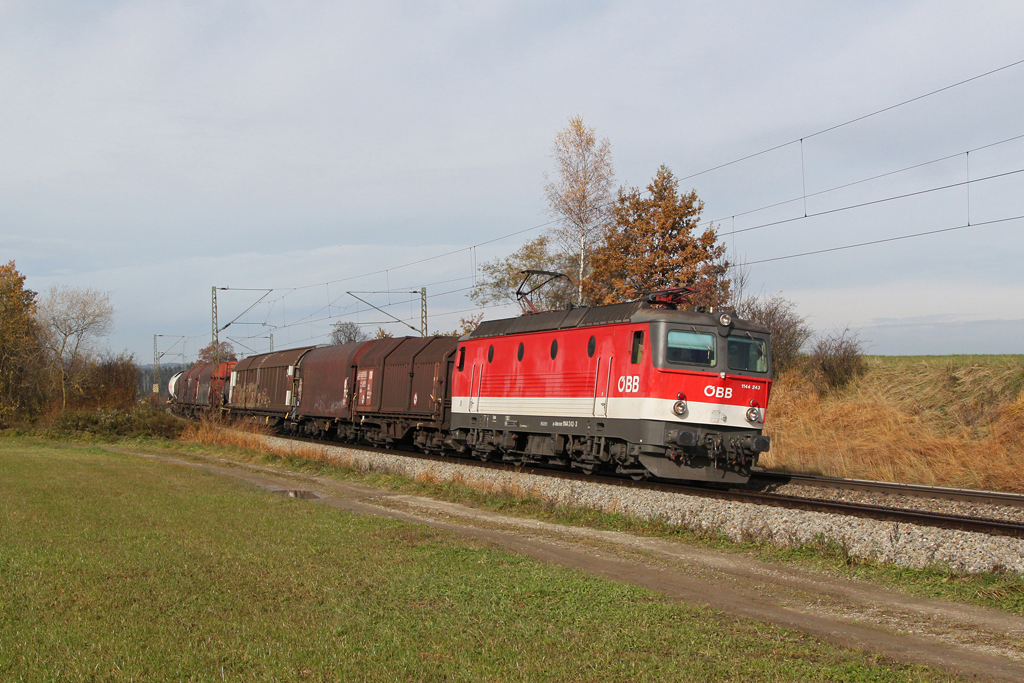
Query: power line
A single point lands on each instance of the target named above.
(424, 260)
(875, 201)
(694, 175)
(307, 319)
(880, 241)
(854, 120)
(859, 182)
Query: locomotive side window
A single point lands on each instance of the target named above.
(490, 353)
(591, 347)
(638, 347)
(691, 348)
(462, 358)
(554, 348)
(519, 355)
(747, 353)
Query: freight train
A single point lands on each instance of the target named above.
(642, 389)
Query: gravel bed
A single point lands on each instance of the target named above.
(905, 545)
(1004, 512)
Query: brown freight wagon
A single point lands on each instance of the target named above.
(265, 384)
(402, 385)
(326, 385)
(187, 391)
(200, 388)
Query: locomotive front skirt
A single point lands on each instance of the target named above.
(629, 388)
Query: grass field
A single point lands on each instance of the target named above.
(246, 443)
(117, 569)
(941, 420)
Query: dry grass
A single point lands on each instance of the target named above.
(949, 421)
(253, 437)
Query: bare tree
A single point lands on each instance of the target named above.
(740, 282)
(580, 195)
(347, 333)
(790, 331)
(502, 276)
(73, 319)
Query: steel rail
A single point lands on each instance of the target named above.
(893, 488)
(983, 525)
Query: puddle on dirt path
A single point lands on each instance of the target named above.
(296, 493)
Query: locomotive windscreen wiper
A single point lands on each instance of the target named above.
(701, 336)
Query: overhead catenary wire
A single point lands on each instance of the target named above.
(308, 320)
(876, 201)
(881, 241)
(472, 249)
(857, 182)
(305, 321)
(854, 120)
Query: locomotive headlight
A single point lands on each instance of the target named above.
(679, 408)
(725, 319)
(753, 414)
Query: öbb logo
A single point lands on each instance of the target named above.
(712, 391)
(629, 384)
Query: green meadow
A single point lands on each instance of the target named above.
(114, 568)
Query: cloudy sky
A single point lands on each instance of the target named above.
(157, 149)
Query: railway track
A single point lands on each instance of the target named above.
(984, 525)
(891, 488)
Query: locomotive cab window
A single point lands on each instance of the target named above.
(638, 347)
(748, 354)
(691, 348)
(462, 358)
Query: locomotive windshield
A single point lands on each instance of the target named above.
(748, 354)
(691, 348)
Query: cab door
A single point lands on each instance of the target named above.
(603, 377)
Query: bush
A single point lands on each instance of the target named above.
(107, 382)
(835, 360)
(119, 423)
(789, 329)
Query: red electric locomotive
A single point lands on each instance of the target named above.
(640, 388)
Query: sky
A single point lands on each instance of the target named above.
(154, 150)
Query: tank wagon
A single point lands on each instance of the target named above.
(199, 390)
(641, 389)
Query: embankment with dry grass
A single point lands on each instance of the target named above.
(939, 420)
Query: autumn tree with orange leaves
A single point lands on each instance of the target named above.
(654, 242)
(22, 353)
(227, 354)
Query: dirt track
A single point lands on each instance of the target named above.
(977, 643)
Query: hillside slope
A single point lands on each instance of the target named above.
(943, 420)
